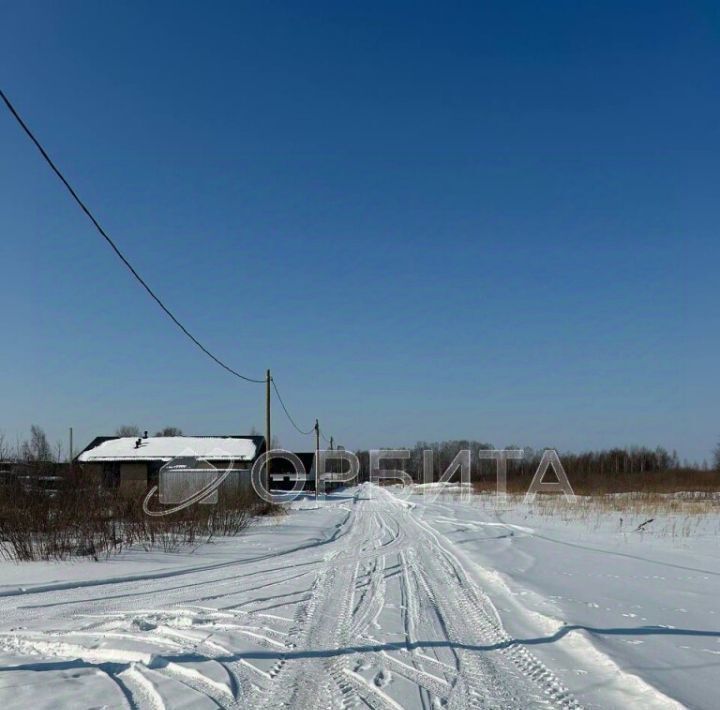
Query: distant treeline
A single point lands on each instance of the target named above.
(610, 470)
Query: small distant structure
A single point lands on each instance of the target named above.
(36, 476)
(7, 472)
(131, 462)
(283, 476)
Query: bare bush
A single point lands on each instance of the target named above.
(83, 519)
(74, 521)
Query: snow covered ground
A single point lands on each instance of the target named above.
(624, 617)
(378, 600)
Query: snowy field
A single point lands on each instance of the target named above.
(381, 601)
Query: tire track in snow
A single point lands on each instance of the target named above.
(463, 600)
(325, 648)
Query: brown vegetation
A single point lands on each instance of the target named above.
(83, 519)
(588, 483)
(590, 473)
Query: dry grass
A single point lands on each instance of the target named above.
(675, 492)
(637, 503)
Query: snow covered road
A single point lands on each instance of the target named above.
(364, 601)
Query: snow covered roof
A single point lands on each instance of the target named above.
(166, 448)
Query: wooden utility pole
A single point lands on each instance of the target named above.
(317, 457)
(268, 433)
(70, 455)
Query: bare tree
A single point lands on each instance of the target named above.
(4, 448)
(170, 431)
(38, 448)
(127, 430)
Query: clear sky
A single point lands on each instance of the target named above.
(494, 221)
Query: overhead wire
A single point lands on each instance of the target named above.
(116, 249)
(287, 413)
(23, 125)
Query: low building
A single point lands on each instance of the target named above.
(130, 462)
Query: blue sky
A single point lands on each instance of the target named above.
(494, 221)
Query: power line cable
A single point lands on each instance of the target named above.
(115, 248)
(137, 276)
(287, 413)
